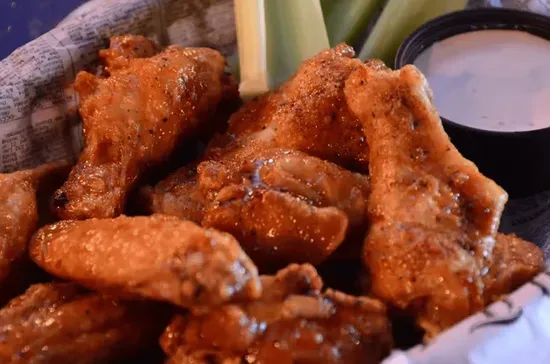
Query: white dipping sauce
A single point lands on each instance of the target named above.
(491, 79)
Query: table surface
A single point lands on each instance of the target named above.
(23, 20)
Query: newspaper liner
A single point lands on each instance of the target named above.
(39, 123)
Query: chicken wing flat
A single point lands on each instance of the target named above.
(58, 322)
(157, 257)
(434, 216)
(134, 119)
(19, 216)
(284, 206)
(291, 323)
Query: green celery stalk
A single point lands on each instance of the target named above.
(398, 20)
(346, 20)
(295, 32)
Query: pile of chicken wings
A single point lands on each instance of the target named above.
(224, 260)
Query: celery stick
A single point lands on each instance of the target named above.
(398, 20)
(251, 39)
(347, 19)
(295, 32)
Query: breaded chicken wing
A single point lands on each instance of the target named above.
(19, 219)
(134, 119)
(284, 206)
(123, 48)
(434, 215)
(177, 195)
(59, 323)
(157, 257)
(289, 219)
(514, 262)
(291, 323)
(307, 114)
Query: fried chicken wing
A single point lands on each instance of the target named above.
(434, 216)
(134, 119)
(307, 114)
(515, 261)
(58, 322)
(177, 195)
(122, 48)
(292, 322)
(284, 206)
(157, 257)
(300, 175)
(19, 219)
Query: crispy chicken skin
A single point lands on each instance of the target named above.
(123, 48)
(284, 206)
(515, 261)
(291, 323)
(308, 118)
(434, 216)
(19, 214)
(157, 257)
(177, 195)
(59, 323)
(307, 113)
(134, 119)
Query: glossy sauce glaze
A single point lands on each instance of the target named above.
(495, 80)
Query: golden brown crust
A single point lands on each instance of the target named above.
(58, 322)
(515, 261)
(19, 220)
(276, 180)
(157, 257)
(434, 216)
(282, 205)
(307, 113)
(289, 323)
(288, 218)
(122, 48)
(134, 119)
(177, 195)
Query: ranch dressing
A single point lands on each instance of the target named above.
(495, 80)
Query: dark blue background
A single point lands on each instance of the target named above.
(28, 19)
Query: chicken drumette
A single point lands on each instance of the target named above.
(60, 323)
(134, 118)
(434, 216)
(297, 215)
(291, 323)
(157, 257)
